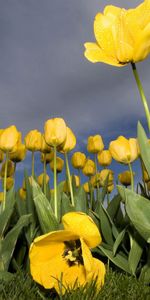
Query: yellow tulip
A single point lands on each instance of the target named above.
(66, 188)
(59, 164)
(65, 254)
(19, 154)
(8, 138)
(122, 36)
(19, 142)
(9, 183)
(33, 140)
(47, 156)
(124, 150)
(104, 174)
(104, 158)
(10, 169)
(55, 131)
(78, 160)
(69, 143)
(89, 167)
(22, 193)
(95, 144)
(125, 178)
(110, 188)
(40, 179)
(45, 148)
(1, 156)
(86, 187)
(1, 197)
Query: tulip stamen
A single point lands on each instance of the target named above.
(73, 253)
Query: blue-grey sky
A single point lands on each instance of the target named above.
(44, 74)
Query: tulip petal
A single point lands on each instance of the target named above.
(83, 225)
(98, 271)
(95, 54)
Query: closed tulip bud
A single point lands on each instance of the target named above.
(10, 169)
(125, 178)
(95, 144)
(33, 140)
(45, 148)
(69, 143)
(9, 183)
(110, 188)
(104, 158)
(124, 150)
(47, 156)
(1, 156)
(19, 154)
(86, 187)
(8, 138)
(89, 168)
(59, 164)
(19, 141)
(55, 131)
(1, 197)
(22, 193)
(104, 174)
(78, 160)
(40, 179)
(95, 180)
(66, 188)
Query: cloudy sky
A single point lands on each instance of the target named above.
(44, 74)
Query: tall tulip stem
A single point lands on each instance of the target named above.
(5, 178)
(141, 91)
(132, 177)
(55, 184)
(69, 179)
(33, 164)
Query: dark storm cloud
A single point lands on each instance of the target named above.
(43, 72)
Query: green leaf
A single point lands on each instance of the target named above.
(59, 199)
(66, 205)
(144, 147)
(6, 276)
(138, 210)
(105, 225)
(120, 260)
(118, 240)
(114, 206)
(9, 242)
(135, 253)
(80, 200)
(47, 219)
(6, 214)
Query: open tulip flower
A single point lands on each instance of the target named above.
(122, 36)
(65, 254)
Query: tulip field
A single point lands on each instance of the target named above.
(87, 235)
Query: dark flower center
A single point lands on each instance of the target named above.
(73, 252)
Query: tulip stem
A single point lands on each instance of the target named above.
(132, 177)
(55, 184)
(69, 179)
(44, 170)
(5, 178)
(141, 91)
(33, 164)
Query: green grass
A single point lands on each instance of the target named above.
(117, 286)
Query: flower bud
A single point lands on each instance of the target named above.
(55, 131)
(59, 164)
(78, 160)
(69, 143)
(104, 174)
(45, 148)
(125, 178)
(9, 183)
(33, 140)
(10, 169)
(40, 179)
(8, 138)
(66, 188)
(95, 144)
(104, 158)
(47, 156)
(19, 154)
(22, 193)
(86, 187)
(124, 150)
(89, 167)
